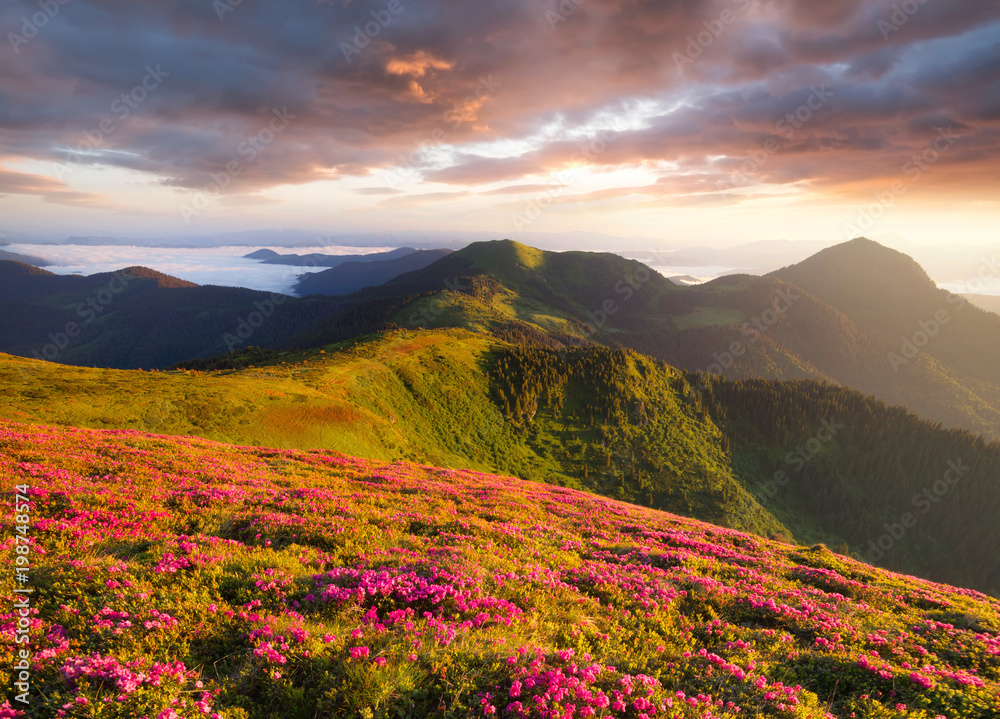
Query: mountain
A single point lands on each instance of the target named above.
(761, 256)
(571, 296)
(930, 350)
(25, 259)
(852, 315)
(349, 277)
(20, 281)
(263, 255)
(806, 460)
(138, 317)
(181, 575)
(316, 259)
(857, 314)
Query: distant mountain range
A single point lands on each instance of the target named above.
(316, 259)
(353, 276)
(858, 314)
(137, 317)
(350, 273)
(26, 259)
(855, 314)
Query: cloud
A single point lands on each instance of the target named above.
(510, 91)
(48, 188)
(519, 190)
(420, 200)
(377, 191)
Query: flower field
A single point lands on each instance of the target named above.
(178, 577)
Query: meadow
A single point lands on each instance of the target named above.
(179, 577)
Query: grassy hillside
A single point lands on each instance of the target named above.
(901, 492)
(572, 296)
(178, 577)
(608, 421)
(421, 396)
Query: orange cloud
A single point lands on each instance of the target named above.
(49, 188)
(417, 64)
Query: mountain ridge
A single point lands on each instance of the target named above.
(837, 321)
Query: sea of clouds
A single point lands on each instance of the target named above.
(224, 266)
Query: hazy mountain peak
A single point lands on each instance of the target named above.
(861, 268)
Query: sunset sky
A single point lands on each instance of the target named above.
(682, 121)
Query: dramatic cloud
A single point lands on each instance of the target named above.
(49, 189)
(665, 102)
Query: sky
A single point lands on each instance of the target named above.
(683, 121)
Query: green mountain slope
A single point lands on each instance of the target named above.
(427, 396)
(608, 421)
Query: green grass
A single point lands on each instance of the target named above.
(423, 396)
